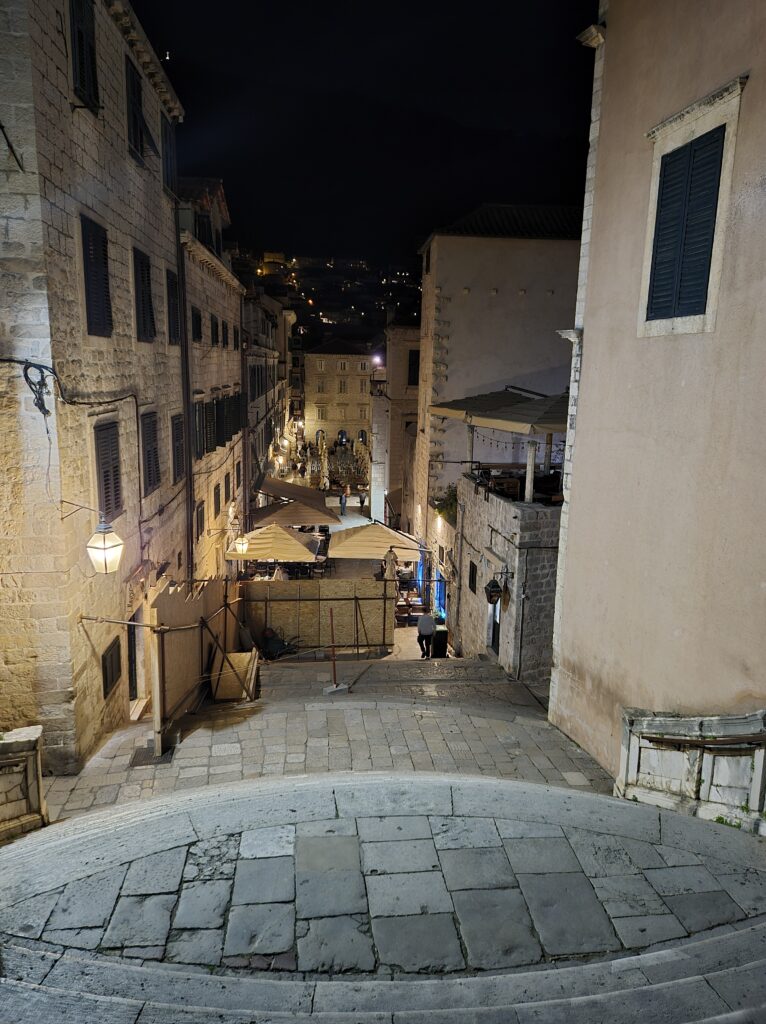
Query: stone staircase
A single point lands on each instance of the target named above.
(721, 978)
(713, 976)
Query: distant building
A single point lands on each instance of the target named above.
(337, 392)
(662, 574)
(401, 408)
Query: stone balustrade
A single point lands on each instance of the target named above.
(22, 804)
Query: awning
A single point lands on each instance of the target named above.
(275, 543)
(372, 542)
(510, 411)
(293, 513)
(476, 405)
(292, 492)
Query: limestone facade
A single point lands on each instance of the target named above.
(515, 543)
(663, 601)
(402, 377)
(336, 387)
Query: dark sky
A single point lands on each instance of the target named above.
(355, 128)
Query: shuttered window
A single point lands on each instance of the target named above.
(238, 474)
(216, 501)
(151, 452)
(219, 412)
(169, 168)
(177, 440)
(146, 329)
(174, 309)
(236, 337)
(413, 367)
(224, 334)
(84, 68)
(472, 577)
(200, 519)
(203, 229)
(95, 255)
(196, 320)
(227, 488)
(685, 225)
(199, 430)
(111, 666)
(139, 137)
(108, 474)
(210, 444)
(213, 330)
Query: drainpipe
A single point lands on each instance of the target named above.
(186, 393)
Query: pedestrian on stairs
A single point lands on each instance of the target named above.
(426, 628)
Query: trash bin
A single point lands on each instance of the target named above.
(439, 643)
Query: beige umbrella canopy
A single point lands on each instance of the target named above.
(547, 415)
(275, 543)
(372, 541)
(293, 492)
(293, 513)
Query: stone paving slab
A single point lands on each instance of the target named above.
(496, 928)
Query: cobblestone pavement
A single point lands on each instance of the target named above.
(451, 716)
(379, 875)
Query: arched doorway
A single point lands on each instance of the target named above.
(363, 436)
(319, 436)
(342, 437)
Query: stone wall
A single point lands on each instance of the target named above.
(517, 544)
(22, 804)
(77, 162)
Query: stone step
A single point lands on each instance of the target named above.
(733, 962)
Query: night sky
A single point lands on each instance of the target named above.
(355, 128)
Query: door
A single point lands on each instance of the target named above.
(132, 666)
(136, 680)
(495, 643)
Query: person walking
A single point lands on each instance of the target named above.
(426, 628)
(343, 502)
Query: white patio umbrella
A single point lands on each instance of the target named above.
(373, 541)
(293, 513)
(275, 543)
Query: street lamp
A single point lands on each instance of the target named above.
(105, 547)
(240, 544)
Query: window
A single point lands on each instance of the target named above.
(174, 311)
(210, 432)
(320, 365)
(196, 319)
(342, 386)
(213, 330)
(179, 452)
(687, 201)
(342, 366)
(441, 553)
(108, 475)
(413, 367)
(364, 366)
(296, 361)
(321, 412)
(236, 338)
(139, 136)
(218, 242)
(199, 430)
(95, 255)
(321, 384)
(151, 452)
(363, 385)
(200, 519)
(146, 329)
(238, 474)
(216, 501)
(111, 666)
(203, 229)
(427, 261)
(227, 488)
(342, 412)
(83, 24)
(224, 334)
(472, 577)
(169, 170)
(363, 412)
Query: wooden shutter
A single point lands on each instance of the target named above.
(236, 337)
(200, 519)
(196, 317)
(210, 427)
(216, 501)
(169, 167)
(219, 414)
(199, 430)
(151, 452)
(146, 329)
(98, 302)
(225, 335)
(84, 68)
(111, 666)
(238, 474)
(701, 207)
(213, 329)
(133, 91)
(179, 451)
(108, 469)
(174, 311)
(227, 488)
(683, 236)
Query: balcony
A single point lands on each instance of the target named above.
(509, 480)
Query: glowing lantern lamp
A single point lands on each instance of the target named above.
(105, 548)
(240, 545)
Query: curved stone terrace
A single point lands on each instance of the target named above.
(383, 897)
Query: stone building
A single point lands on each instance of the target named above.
(214, 324)
(401, 406)
(662, 598)
(337, 392)
(497, 285)
(92, 312)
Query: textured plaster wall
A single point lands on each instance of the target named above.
(665, 594)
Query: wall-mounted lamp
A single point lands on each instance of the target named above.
(105, 547)
(240, 544)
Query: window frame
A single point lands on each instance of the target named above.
(84, 64)
(150, 452)
(413, 363)
(472, 576)
(215, 337)
(216, 501)
(718, 108)
(199, 520)
(110, 501)
(146, 322)
(173, 299)
(95, 271)
(196, 323)
(178, 447)
(111, 667)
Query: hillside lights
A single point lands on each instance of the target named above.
(105, 547)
